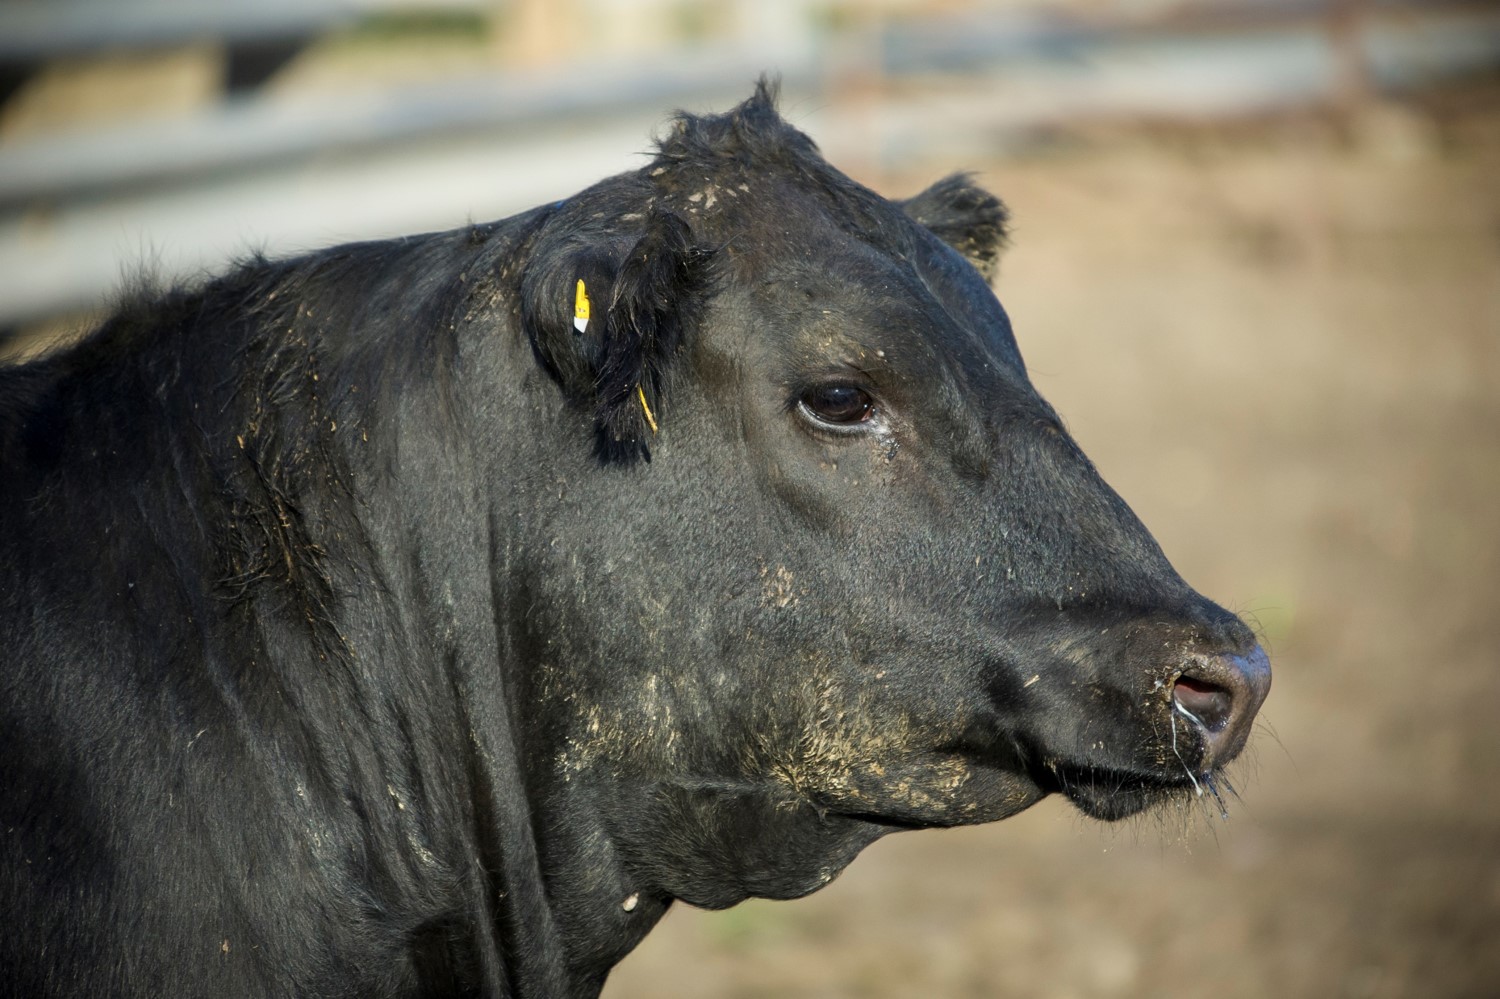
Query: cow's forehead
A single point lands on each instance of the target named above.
(810, 241)
(826, 280)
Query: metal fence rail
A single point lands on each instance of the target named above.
(183, 196)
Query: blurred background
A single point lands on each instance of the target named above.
(1256, 266)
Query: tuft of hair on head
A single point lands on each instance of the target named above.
(643, 282)
(752, 133)
(966, 217)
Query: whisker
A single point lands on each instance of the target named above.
(1213, 788)
(1229, 788)
(1264, 726)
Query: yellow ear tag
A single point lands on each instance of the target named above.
(650, 420)
(581, 308)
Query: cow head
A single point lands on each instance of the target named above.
(869, 582)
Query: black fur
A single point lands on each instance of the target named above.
(346, 648)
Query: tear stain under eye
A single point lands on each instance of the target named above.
(890, 445)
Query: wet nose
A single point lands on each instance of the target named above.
(1221, 694)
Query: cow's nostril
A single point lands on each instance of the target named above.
(1222, 694)
(1210, 704)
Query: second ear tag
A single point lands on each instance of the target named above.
(581, 308)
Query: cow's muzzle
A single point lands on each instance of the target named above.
(1220, 696)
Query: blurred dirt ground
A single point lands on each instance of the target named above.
(1281, 343)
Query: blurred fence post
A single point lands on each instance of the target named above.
(1353, 86)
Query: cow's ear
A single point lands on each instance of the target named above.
(966, 217)
(605, 320)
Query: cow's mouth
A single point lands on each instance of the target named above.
(1209, 704)
(1184, 772)
(1109, 794)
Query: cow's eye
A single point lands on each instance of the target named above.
(837, 404)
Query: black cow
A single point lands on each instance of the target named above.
(424, 617)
